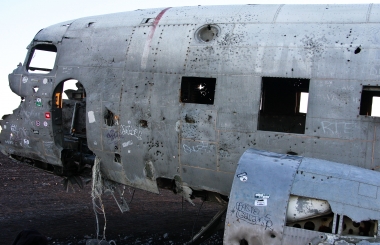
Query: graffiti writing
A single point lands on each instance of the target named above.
(252, 215)
(125, 144)
(202, 147)
(17, 135)
(113, 134)
(130, 130)
(124, 130)
(338, 127)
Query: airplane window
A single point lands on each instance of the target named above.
(207, 33)
(198, 90)
(370, 101)
(42, 58)
(283, 104)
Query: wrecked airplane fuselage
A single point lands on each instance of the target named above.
(172, 98)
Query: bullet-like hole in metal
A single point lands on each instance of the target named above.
(243, 242)
(117, 158)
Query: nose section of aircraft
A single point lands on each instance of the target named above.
(18, 82)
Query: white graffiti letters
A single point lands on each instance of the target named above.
(338, 127)
(202, 147)
(130, 130)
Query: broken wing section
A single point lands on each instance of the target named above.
(282, 199)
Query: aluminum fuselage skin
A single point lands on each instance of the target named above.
(133, 63)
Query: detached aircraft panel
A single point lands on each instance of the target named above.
(256, 210)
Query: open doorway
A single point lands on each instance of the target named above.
(69, 126)
(70, 109)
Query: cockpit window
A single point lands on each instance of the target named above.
(42, 58)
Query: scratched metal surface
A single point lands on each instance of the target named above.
(246, 218)
(134, 69)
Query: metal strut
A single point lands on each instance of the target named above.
(215, 224)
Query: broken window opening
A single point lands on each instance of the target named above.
(207, 33)
(243, 242)
(42, 58)
(370, 101)
(110, 119)
(198, 90)
(283, 105)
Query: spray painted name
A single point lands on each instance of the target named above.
(252, 215)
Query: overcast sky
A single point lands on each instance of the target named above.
(21, 20)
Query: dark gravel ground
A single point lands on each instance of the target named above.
(32, 199)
